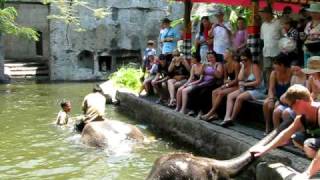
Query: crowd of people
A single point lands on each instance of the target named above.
(285, 75)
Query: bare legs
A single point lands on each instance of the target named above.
(268, 106)
(172, 90)
(238, 104)
(217, 97)
(230, 102)
(182, 98)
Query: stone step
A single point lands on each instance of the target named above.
(21, 73)
(31, 64)
(27, 68)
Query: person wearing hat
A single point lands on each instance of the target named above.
(168, 37)
(312, 31)
(313, 69)
(270, 35)
(93, 107)
(307, 121)
(150, 48)
(221, 34)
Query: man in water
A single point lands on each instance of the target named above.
(307, 121)
(93, 106)
(63, 117)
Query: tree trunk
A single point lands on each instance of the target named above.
(2, 77)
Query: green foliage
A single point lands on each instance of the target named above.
(128, 77)
(68, 11)
(9, 26)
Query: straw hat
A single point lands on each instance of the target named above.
(314, 7)
(313, 65)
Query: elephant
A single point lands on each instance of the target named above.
(100, 133)
(185, 166)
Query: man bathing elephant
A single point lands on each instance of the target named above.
(93, 106)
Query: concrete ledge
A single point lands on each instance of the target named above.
(213, 140)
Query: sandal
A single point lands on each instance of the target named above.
(227, 123)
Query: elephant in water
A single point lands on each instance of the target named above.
(183, 166)
(104, 133)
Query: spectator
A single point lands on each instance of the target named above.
(150, 67)
(194, 79)
(287, 12)
(203, 41)
(168, 38)
(299, 99)
(179, 72)
(283, 111)
(231, 72)
(312, 31)
(240, 36)
(159, 83)
(270, 34)
(279, 83)
(290, 31)
(251, 86)
(150, 49)
(313, 84)
(211, 78)
(221, 33)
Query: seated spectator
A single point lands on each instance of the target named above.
(211, 78)
(299, 99)
(179, 72)
(313, 84)
(251, 86)
(283, 111)
(231, 72)
(240, 36)
(279, 83)
(194, 79)
(150, 68)
(159, 83)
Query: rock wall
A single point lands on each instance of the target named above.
(107, 42)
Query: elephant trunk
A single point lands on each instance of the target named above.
(232, 167)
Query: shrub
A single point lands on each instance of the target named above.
(127, 77)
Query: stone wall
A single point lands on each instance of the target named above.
(30, 14)
(119, 37)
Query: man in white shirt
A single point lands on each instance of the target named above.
(221, 33)
(270, 34)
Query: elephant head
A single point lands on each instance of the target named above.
(182, 166)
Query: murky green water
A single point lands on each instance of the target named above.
(31, 147)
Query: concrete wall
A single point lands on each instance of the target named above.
(30, 14)
(215, 141)
(122, 35)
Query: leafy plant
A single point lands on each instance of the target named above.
(8, 25)
(68, 11)
(128, 77)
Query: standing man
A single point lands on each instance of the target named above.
(270, 35)
(93, 106)
(221, 33)
(168, 37)
(307, 121)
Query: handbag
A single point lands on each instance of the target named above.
(313, 46)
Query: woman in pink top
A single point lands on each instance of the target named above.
(240, 36)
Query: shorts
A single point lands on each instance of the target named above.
(256, 94)
(304, 139)
(283, 108)
(267, 63)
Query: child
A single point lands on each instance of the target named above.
(151, 71)
(149, 48)
(63, 116)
